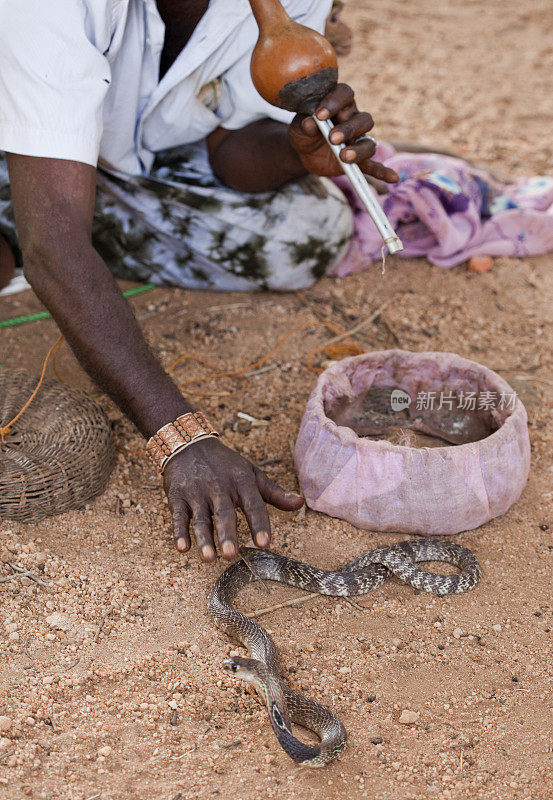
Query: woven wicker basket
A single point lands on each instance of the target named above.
(59, 453)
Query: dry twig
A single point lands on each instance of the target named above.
(296, 601)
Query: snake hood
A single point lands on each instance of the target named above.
(279, 698)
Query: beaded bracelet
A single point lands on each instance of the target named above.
(176, 436)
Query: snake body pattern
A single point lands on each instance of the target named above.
(360, 576)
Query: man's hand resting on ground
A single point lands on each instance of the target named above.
(206, 483)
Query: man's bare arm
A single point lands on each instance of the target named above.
(54, 202)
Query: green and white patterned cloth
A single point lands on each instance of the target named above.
(180, 226)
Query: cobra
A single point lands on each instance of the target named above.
(360, 576)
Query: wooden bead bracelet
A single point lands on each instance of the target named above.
(176, 436)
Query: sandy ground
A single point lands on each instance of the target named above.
(121, 695)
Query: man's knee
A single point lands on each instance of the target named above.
(319, 225)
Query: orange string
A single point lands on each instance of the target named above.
(337, 350)
(54, 349)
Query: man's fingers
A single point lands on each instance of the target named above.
(181, 524)
(360, 152)
(308, 126)
(203, 531)
(224, 517)
(340, 97)
(256, 513)
(346, 113)
(379, 171)
(348, 132)
(274, 494)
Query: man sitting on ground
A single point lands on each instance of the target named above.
(147, 110)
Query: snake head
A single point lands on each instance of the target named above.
(240, 667)
(247, 669)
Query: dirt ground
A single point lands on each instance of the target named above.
(121, 695)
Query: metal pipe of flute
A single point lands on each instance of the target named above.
(359, 183)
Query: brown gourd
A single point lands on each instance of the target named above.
(292, 66)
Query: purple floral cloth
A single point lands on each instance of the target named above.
(448, 211)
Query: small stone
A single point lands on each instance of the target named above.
(496, 627)
(105, 751)
(5, 556)
(30, 721)
(371, 698)
(480, 264)
(396, 642)
(408, 717)
(13, 636)
(57, 620)
(11, 627)
(5, 723)
(376, 740)
(457, 633)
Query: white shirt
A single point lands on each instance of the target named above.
(79, 78)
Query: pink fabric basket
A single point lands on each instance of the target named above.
(380, 486)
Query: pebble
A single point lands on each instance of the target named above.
(408, 717)
(57, 620)
(105, 751)
(497, 627)
(457, 633)
(480, 263)
(5, 723)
